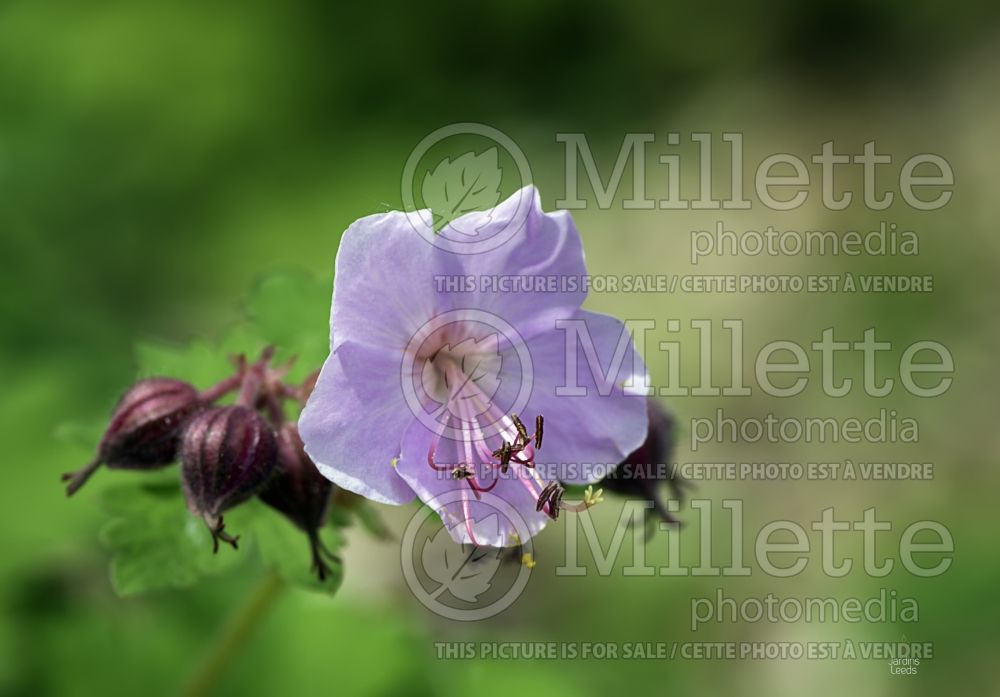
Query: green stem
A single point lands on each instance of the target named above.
(233, 635)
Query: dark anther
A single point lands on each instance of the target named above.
(552, 495)
(543, 498)
(521, 430)
(461, 472)
(505, 454)
(555, 503)
(539, 422)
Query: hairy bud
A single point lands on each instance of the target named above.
(301, 493)
(228, 454)
(145, 428)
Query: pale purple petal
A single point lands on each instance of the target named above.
(545, 250)
(384, 286)
(492, 524)
(585, 436)
(354, 420)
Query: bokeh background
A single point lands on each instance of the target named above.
(157, 159)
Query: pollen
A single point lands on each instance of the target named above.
(528, 561)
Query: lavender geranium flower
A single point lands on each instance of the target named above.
(419, 393)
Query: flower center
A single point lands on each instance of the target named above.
(507, 453)
(466, 373)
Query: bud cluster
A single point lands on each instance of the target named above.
(228, 453)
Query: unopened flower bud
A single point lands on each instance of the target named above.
(145, 428)
(641, 473)
(227, 456)
(301, 493)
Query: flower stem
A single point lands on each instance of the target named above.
(233, 635)
(221, 388)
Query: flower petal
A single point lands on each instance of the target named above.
(354, 420)
(544, 250)
(587, 435)
(502, 517)
(384, 287)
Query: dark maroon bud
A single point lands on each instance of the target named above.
(227, 456)
(640, 475)
(301, 493)
(145, 427)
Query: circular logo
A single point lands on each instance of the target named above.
(460, 193)
(464, 582)
(466, 367)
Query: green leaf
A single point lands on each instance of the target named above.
(285, 549)
(292, 312)
(155, 542)
(470, 182)
(289, 311)
(199, 362)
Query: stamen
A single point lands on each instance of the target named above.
(528, 482)
(467, 514)
(552, 497)
(516, 446)
(522, 461)
(544, 497)
(475, 439)
(521, 430)
(433, 466)
(477, 487)
(504, 453)
(555, 503)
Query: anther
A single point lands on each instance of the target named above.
(552, 495)
(539, 422)
(543, 498)
(521, 430)
(504, 453)
(555, 503)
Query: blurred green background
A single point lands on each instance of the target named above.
(158, 158)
